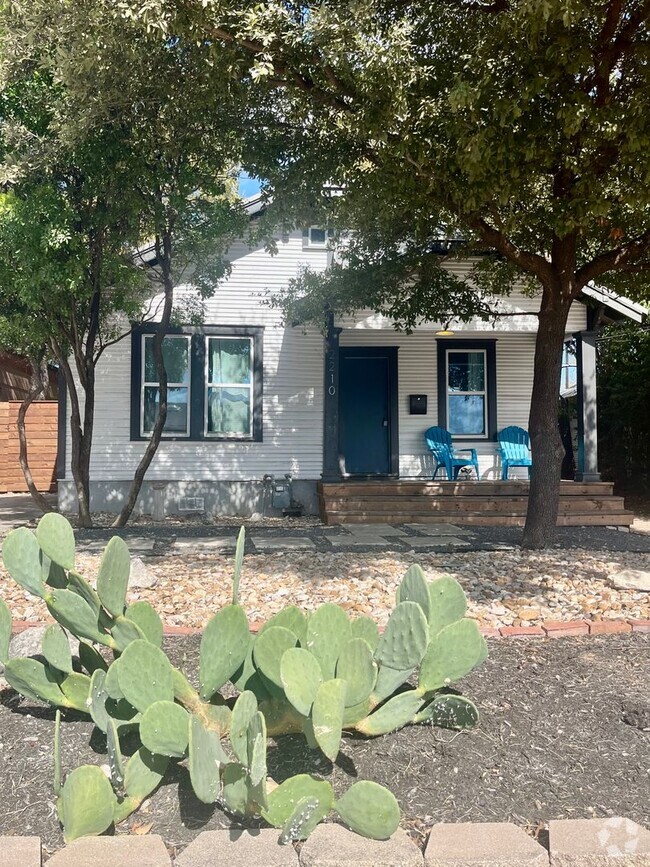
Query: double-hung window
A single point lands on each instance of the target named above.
(467, 392)
(214, 383)
(229, 387)
(176, 358)
(467, 388)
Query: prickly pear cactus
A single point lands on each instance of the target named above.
(319, 675)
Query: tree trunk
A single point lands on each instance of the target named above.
(546, 443)
(152, 446)
(80, 477)
(38, 385)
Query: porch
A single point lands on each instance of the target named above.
(484, 503)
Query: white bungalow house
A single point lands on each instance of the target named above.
(252, 399)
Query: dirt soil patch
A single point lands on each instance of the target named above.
(562, 735)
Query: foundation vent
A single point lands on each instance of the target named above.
(191, 504)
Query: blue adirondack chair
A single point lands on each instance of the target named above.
(514, 448)
(445, 456)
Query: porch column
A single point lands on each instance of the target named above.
(587, 468)
(331, 468)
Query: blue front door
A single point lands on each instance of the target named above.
(367, 432)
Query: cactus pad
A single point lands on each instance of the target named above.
(397, 712)
(327, 716)
(366, 628)
(448, 603)
(146, 617)
(55, 536)
(76, 689)
(5, 632)
(328, 630)
(224, 646)
(449, 712)
(291, 618)
(452, 654)
(56, 648)
(405, 638)
(91, 659)
(369, 809)
(282, 800)
(145, 675)
(88, 803)
(21, 556)
(269, 649)
(359, 671)
(256, 748)
(164, 729)
(301, 676)
(206, 756)
(76, 615)
(242, 713)
(35, 680)
(414, 588)
(113, 576)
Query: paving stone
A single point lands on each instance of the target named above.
(430, 542)
(483, 844)
(610, 842)
(125, 851)
(136, 545)
(259, 848)
(333, 845)
(282, 543)
(361, 541)
(204, 544)
(373, 529)
(439, 529)
(20, 852)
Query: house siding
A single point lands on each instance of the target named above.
(293, 385)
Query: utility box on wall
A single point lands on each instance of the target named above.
(417, 404)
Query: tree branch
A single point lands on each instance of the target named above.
(532, 263)
(617, 259)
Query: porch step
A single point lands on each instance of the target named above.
(618, 519)
(485, 503)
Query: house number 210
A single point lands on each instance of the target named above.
(330, 369)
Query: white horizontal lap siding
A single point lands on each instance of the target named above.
(417, 374)
(293, 377)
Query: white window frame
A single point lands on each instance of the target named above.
(309, 244)
(207, 385)
(147, 384)
(483, 393)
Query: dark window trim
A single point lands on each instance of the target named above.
(489, 347)
(197, 380)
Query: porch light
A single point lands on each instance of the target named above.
(445, 331)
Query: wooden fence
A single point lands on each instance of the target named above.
(41, 429)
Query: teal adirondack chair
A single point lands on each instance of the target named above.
(440, 444)
(514, 448)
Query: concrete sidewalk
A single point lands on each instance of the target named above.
(19, 509)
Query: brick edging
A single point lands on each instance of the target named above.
(547, 629)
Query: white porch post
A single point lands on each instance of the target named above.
(587, 468)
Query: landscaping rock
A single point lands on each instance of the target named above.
(20, 852)
(631, 579)
(234, 848)
(333, 845)
(141, 576)
(598, 843)
(121, 851)
(484, 844)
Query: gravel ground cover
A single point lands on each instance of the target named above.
(564, 733)
(505, 588)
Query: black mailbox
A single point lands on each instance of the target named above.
(417, 404)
